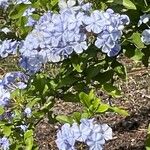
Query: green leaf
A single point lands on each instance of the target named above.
(85, 115)
(104, 76)
(102, 108)
(54, 2)
(84, 98)
(28, 134)
(138, 55)
(32, 102)
(77, 116)
(146, 9)
(7, 130)
(120, 69)
(77, 63)
(129, 4)
(1, 110)
(69, 97)
(95, 103)
(28, 137)
(148, 129)
(147, 143)
(67, 81)
(18, 11)
(119, 111)
(47, 105)
(64, 119)
(77, 67)
(111, 90)
(126, 3)
(93, 70)
(136, 40)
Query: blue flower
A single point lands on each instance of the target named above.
(56, 36)
(95, 22)
(4, 96)
(31, 22)
(13, 80)
(106, 132)
(8, 47)
(4, 143)
(32, 61)
(81, 132)
(23, 127)
(28, 12)
(95, 141)
(144, 19)
(88, 131)
(65, 138)
(146, 36)
(28, 112)
(4, 4)
(108, 39)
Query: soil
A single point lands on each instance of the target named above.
(129, 133)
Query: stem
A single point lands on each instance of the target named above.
(145, 3)
(110, 101)
(148, 25)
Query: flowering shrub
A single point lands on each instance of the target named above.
(66, 50)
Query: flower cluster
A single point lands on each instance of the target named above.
(4, 143)
(146, 33)
(4, 96)
(108, 27)
(8, 47)
(89, 132)
(4, 4)
(56, 36)
(13, 80)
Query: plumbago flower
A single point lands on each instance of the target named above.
(4, 143)
(28, 112)
(146, 36)
(56, 36)
(146, 33)
(89, 132)
(31, 22)
(4, 96)
(108, 28)
(23, 127)
(28, 12)
(144, 19)
(8, 47)
(14, 80)
(4, 4)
